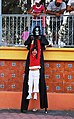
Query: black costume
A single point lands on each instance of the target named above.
(42, 85)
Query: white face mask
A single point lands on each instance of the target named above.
(37, 31)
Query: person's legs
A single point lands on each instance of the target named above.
(39, 23)
(30, 83)
(36, 23)
(32, 27)
(36, 83)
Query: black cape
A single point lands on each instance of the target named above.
(42, 84)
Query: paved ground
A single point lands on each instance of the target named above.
(16, 114)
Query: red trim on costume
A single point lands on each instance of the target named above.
(33, 60)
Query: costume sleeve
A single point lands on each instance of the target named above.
(38, 44)
(28, 42)
(39, 48)
(31, 46)
(44, 41)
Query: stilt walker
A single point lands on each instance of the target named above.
(35, 44)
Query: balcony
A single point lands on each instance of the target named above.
(59, 32)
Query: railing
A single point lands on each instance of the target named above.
(58, 31)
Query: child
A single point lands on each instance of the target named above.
(25, 35)
(34, 70)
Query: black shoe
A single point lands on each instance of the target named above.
(24, 111)
(46, 111)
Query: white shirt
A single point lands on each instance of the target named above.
(71, 3)
(53, 7)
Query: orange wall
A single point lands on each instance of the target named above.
(59, 76)
(56, 101)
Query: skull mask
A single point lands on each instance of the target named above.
(36, 31)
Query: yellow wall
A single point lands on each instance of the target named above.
(55, 54)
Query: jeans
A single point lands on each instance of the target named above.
(36, 23)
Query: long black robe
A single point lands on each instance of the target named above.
(42, 84)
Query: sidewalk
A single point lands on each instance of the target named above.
(16, 114)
